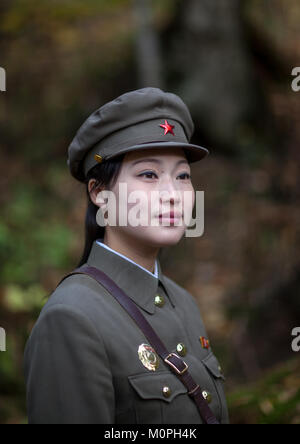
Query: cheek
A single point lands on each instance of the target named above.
(188, 201)
(188, 194)
(138, 194)
(131, 195)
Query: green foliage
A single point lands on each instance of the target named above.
(25, 12)
(25, 300)
(31, 239)
(275, 399)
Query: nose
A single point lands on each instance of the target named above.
(169, 193)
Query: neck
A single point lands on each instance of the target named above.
(143, 255)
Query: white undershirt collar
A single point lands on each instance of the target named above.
(155, 274)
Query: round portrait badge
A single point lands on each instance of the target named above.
(148, 357)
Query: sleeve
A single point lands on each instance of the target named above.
(67, 371)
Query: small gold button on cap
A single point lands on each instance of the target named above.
(98, 158)
(159, 301)
(166, 391)
(181, 349)
(207, 396)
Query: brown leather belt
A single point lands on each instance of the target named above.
(175, 363)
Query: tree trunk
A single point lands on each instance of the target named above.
(214, 72)
(147, 45)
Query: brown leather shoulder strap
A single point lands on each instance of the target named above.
(174, 362)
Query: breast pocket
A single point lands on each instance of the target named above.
(214, 392)
(156, 397)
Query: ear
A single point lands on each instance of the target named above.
(93, 192)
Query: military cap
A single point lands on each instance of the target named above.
(146, 118)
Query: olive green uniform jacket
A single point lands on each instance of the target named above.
(81, 361)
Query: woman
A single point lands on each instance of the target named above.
(87, 360)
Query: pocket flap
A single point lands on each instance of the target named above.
(212, 364)
(151, 385)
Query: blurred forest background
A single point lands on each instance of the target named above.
(231, 61)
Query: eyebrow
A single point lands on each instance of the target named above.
(157, 161)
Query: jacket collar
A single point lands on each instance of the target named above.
(139, 285)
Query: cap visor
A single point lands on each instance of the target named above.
(194, 152)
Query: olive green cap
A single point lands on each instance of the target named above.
(146, 118)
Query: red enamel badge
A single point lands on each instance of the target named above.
(168, 128)
(204, 342)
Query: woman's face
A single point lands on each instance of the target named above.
(162, 179)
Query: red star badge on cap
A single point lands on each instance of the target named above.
(168, 128)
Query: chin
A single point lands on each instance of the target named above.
(167, 236)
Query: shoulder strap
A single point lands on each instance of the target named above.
(175, 363)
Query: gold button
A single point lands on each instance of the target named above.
(98, 158)
(181, 349)
(159, 301)
(166, 391)
(207, 396)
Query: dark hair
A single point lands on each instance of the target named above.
(106, 175)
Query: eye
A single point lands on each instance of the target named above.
(185, 176)
(148, 173)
